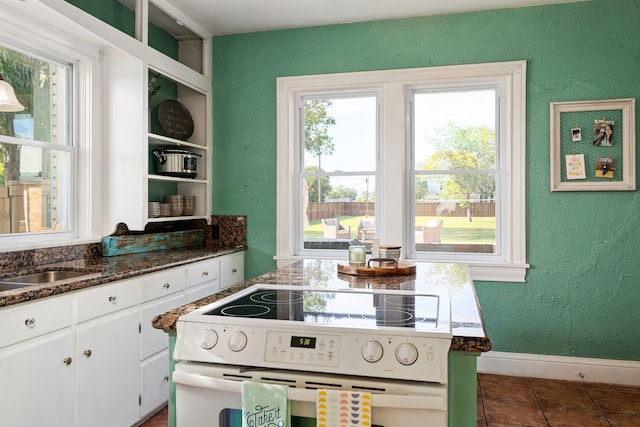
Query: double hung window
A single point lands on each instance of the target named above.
(434, 163)
(37, 154)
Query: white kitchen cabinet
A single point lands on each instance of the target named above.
(203, 279)
(92, 357)
(37, 363)
(160, 184)
(155, 340)
(31, 320)
(107, 351)
(231, 269)
(155, 382)
(201, 291)
(161, 284)
(38, 382)
(128, 62)
(159, 293)
(203, 272)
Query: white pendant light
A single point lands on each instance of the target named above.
(8, 100)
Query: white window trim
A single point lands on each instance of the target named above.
(393, 131)
(65, 39)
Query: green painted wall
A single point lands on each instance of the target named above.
(121, 17)
(582, 292)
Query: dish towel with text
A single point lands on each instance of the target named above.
(343, 408)
(264, 405)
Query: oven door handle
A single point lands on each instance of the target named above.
(436, 400)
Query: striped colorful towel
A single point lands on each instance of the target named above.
(343, 408)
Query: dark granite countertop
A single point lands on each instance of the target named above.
(466, 316)
(104, 270)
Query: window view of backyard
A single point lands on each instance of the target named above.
(35, 155)
(454, 179)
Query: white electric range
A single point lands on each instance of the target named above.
(393, 343)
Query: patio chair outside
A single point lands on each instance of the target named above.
(334, 230)
(430, 232)
(366, 230)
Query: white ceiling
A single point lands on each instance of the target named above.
(242, 16)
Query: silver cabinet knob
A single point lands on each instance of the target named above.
(87, 353)
(67, 361)
(113, 299)
(31, 323)
(166, 285)
(205, 273)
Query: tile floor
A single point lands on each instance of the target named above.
(532, 402)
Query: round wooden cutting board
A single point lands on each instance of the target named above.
(371, 269)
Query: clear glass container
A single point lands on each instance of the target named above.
(357, 255)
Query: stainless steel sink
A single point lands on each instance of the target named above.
(40, 278)
(5, 286)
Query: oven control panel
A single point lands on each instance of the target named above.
(347, 352)
(295, 348)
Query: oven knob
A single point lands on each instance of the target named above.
(237, 341)
(407, 353)
(372, 351)
(208, 339)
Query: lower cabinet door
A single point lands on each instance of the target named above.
(37, 383)
(155, 382)
(155, 340)
(108, 384)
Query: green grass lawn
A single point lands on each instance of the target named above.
(455, 229)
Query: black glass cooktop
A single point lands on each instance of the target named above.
(361, 309)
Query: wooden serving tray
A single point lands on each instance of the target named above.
(401, 268)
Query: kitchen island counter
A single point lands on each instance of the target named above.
(466, 317)
(469, 336)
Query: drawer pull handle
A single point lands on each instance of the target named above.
(113, 299)
(67, 361)
(166, 377)
(205, 273)
(87, 353)
(31, 323)
(235, 270)
(166, 286)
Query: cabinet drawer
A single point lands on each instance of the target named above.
(231, 269)
(154, 340)
(201, 291)
(107, 299)
(202, 272)
(160, 284)
(35, 319)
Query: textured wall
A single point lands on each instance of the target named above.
(583, 289)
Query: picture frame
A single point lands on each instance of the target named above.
(616, 144)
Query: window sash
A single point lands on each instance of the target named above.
(498, 171)
(300, 165)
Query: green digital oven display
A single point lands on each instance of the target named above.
(303, 342)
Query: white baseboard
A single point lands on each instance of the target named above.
(624, 372)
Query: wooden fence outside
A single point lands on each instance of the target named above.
(317, 211)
